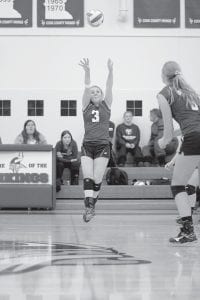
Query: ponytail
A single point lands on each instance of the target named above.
(172, 72)
(182, 88)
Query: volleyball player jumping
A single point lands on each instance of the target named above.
(179, 101)
(95, 150)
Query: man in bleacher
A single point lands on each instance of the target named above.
(152, 153)
(127, 141)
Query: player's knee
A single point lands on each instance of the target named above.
(190, 189)
(97, 186)
(88, 184)
(176, 189)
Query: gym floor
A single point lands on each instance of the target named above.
(47, 256)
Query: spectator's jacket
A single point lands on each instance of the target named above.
(127, 134)
(71, 152)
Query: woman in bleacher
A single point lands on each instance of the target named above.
(95, 149)
(67, 157)
(30, 135)
(179, 101)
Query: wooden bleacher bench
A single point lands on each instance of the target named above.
(128, 191)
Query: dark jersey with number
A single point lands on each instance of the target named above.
(96, 123)
(187, 116)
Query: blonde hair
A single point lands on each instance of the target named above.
(172, 71)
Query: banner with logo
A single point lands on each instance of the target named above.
(25, 167)
(15, 13)
(192, 13)
(60, 13)
(156, 13)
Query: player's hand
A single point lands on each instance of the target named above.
(84, 63)
(110, 65)
(170, 164)
(162, 143)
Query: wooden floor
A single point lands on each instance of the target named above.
(53, 256)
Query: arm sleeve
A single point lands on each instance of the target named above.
(137, 139)
(74, 150)
(119, 139)
(58, 147)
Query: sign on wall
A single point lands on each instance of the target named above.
(60, 13)
(25, 167)
(156, 13)
(15, 13)
(192, 13)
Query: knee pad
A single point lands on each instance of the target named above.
(88, 184)
(190, 189)
(176, 189)
(97, 186)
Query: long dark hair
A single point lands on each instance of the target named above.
(36, 134)
(63, 134)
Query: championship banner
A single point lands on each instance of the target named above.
(15, 13)
(156, 13)
(192, 13)
(60, 13)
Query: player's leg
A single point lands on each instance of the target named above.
(87, 164)
(184, 167)
(101, 158)
(100, 165)
(191, 188)
(88, 184)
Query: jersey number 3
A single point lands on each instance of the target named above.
(95, 114)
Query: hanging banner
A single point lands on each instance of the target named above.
(60, 13)
(15, 13)
(192, 13)
(156, 13)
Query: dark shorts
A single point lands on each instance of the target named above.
(191, 144)
(95, 150)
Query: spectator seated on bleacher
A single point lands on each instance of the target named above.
(30, 135)
(67, 157)
(127, 141)
(152, 153)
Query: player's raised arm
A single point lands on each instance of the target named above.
(109, 84)
(84, 63)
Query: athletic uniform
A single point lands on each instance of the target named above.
(188, 118)
(96, 138)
